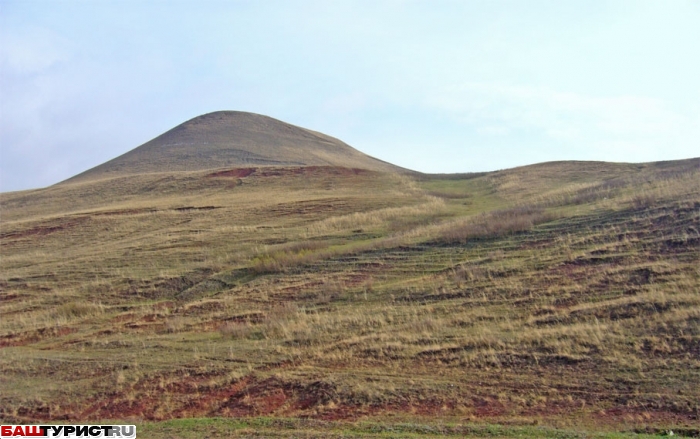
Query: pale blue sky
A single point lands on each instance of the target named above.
(436, 86)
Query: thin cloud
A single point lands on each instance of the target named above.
(573, 119)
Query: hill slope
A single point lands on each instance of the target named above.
(565, 294)
(234, 138)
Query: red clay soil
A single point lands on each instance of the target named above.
(124, 212)
(280, 172)
(237, 173)
(24, 338)
(192, 396)
(313, 170)
(197, 394)
(43, 230)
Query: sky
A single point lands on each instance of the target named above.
(434, 85)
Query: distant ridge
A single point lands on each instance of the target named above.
(234, 138)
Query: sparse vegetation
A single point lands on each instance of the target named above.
(318, 303)
(497, 223)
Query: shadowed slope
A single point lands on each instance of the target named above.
(233, 138)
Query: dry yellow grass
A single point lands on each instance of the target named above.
(562, 293)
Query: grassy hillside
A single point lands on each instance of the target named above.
(564, 295)
(234, 139)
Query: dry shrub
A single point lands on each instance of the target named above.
(303, 246)
(643, 201)
(281, 320)
(175, 324)
(236, 330)
(425, 325)
(607, 189)
(469, 273)
(330, 289)
(375, 218)
(74, 310)
(497, 223)
(280, 261)
(291, 255)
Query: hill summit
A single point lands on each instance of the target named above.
(234, 138)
